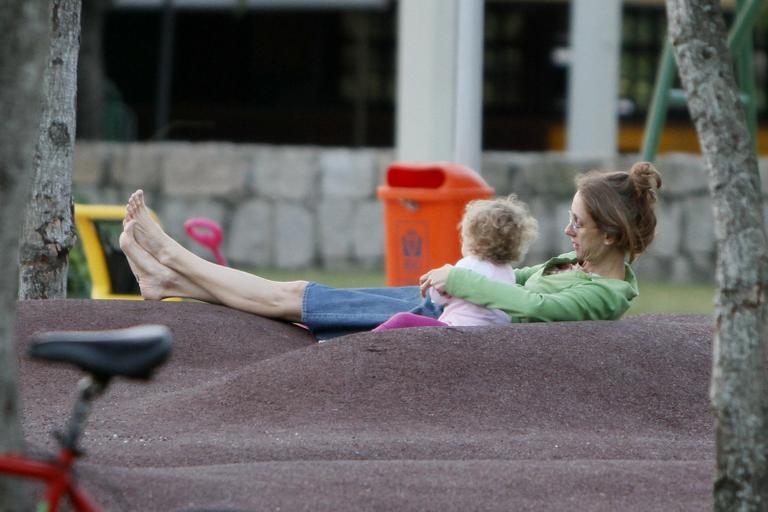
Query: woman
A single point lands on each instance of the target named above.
(612, 221)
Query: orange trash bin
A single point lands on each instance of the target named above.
(423, 204)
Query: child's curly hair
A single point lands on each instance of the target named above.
(498, 230)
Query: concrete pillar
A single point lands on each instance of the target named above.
(439, 81)
(593, 85)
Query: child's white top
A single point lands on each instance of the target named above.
(459, 312)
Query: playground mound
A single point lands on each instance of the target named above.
(253, 414)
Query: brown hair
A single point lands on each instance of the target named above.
(622, 205)
(498, 230)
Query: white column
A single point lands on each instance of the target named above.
(439, 81)
(593, 85)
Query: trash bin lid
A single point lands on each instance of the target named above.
(432, 181)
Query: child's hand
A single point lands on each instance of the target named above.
(436, 278)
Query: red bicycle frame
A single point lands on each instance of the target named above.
(56, 474)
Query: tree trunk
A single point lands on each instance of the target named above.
(90, 74)
(23, 42)
(738, 390)
(49, 231)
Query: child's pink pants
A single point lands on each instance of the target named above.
(403, 320)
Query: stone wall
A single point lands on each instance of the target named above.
(296, 207)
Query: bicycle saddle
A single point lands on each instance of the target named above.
(134, 352)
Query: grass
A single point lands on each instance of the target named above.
(673, 298)
(335, 278)
(655, 297)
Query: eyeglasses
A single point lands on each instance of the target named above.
(573, 223)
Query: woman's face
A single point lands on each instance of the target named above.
(588, 241)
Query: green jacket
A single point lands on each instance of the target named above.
(570, 295)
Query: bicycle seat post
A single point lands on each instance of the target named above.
(133, 353)
(89, 388)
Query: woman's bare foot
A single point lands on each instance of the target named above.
(166, 269)
(150, 274)
(156, 281)
(146, 232)
(128, 215)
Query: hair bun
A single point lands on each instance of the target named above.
(646, 179)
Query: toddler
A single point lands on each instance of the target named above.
(495, 234)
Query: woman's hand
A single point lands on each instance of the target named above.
(436, 278)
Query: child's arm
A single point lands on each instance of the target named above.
(478, 266)
(442, 299)
(438, 298)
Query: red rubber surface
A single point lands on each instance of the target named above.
(253, 414)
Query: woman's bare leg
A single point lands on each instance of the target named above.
(156, 281)
(233, 288)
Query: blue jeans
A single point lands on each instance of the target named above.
(331, 312)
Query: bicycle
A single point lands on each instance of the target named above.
(133, 353)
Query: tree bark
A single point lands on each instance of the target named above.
(90, 74)
(738, 389)
(49, 231)
(23, 43)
